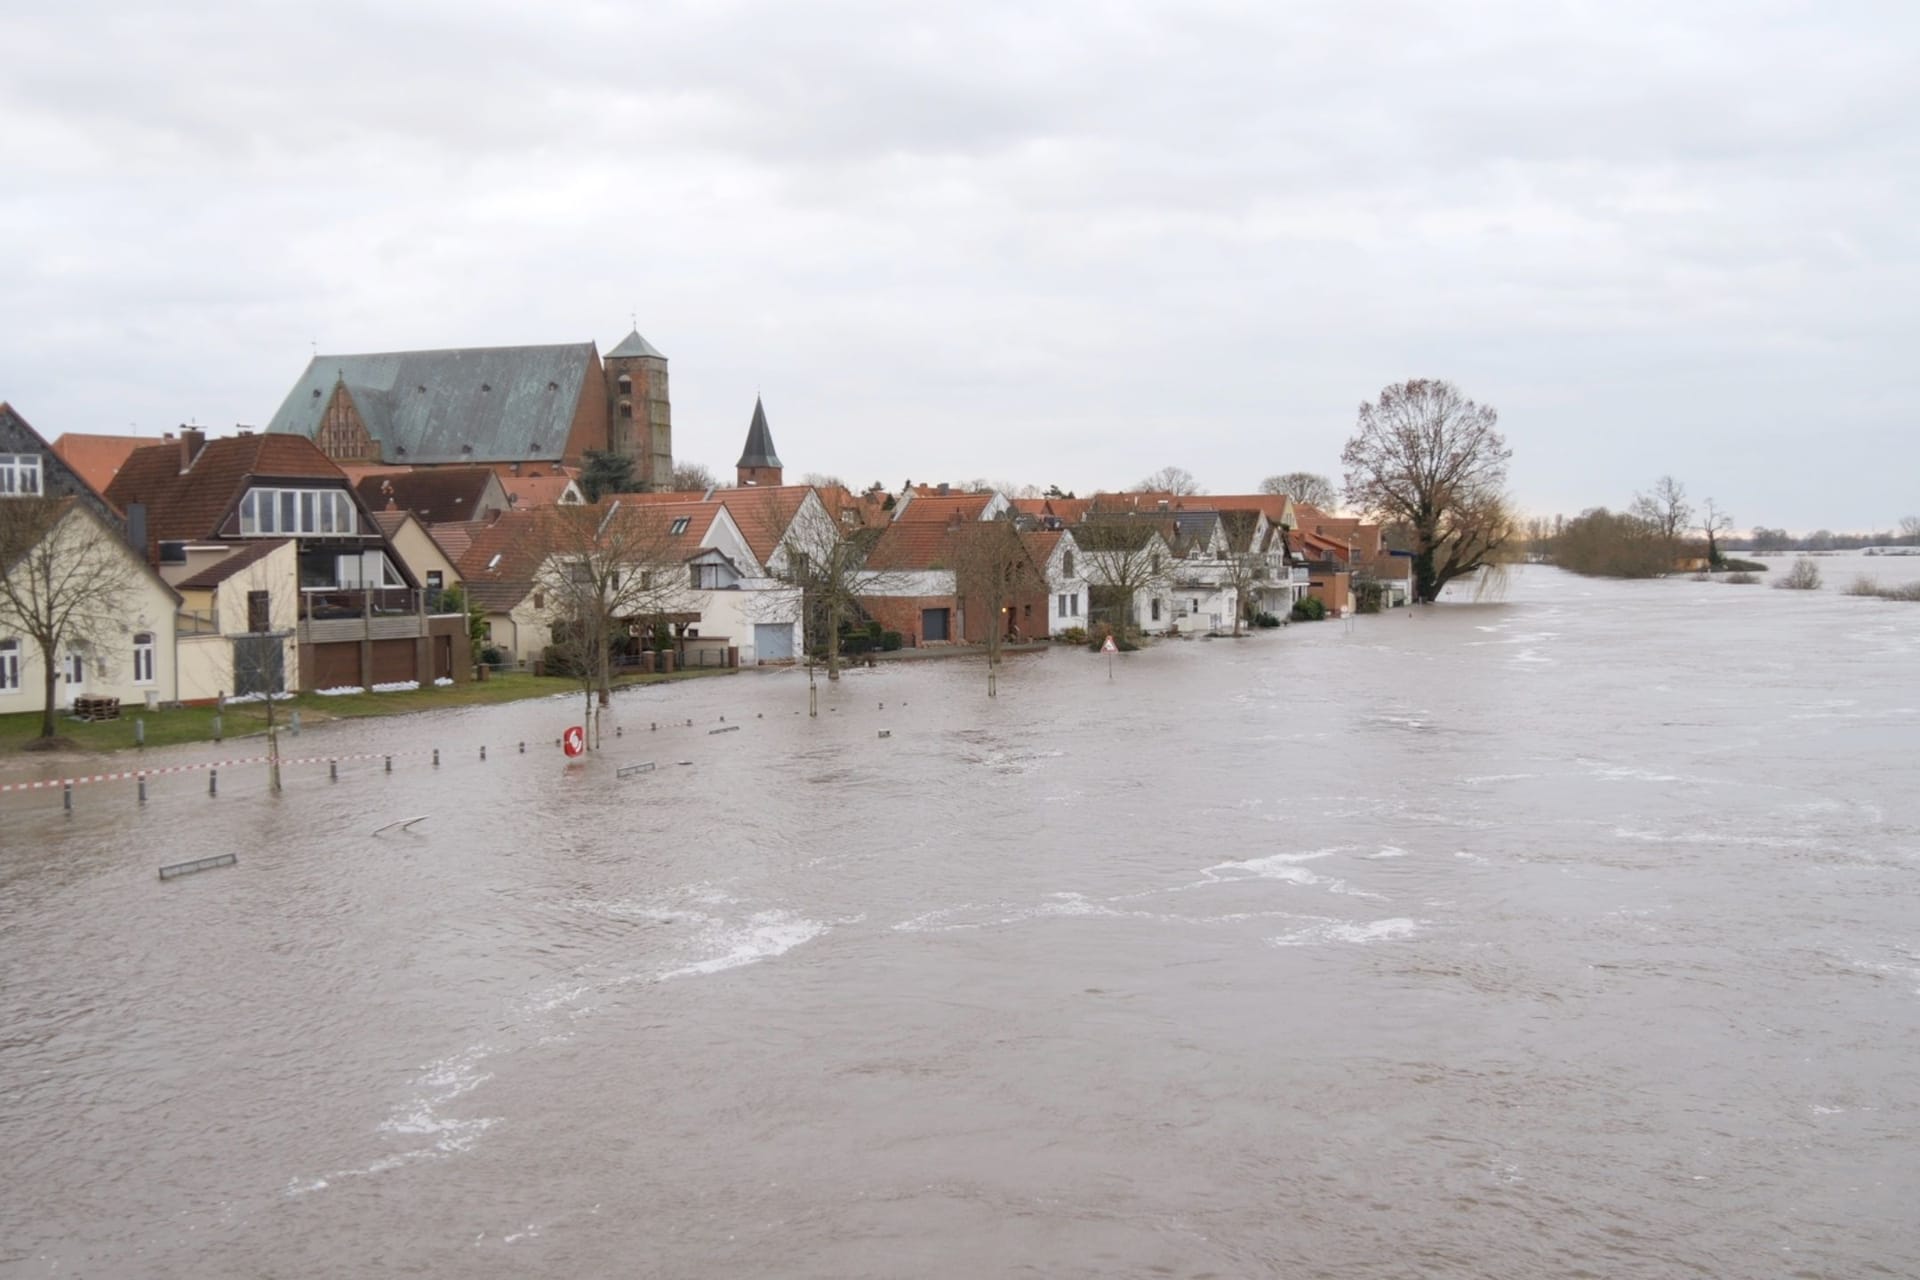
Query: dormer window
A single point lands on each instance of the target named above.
(19, 475)
(296, 512)
(494, 563)
(1066, 562)
(679, 526)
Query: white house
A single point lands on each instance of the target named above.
(1059, 558)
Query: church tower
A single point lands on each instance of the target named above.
(639, 416)
(759, 464)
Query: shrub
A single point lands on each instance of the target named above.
(1074, 635)
(1863, 586)
(1804, 576)
(1097, 639)
(1742, 579)
(1309, 609)
(874, 632)
(1264, 619)
(1742, 566)
(890, 640)
(492, 656)
(1367, 597)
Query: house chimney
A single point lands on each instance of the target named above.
(943, 488)
(137, 527)
(192, 440)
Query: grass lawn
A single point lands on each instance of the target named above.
(175, 725)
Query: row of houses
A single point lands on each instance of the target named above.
(345, 545)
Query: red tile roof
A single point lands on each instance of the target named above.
(215, 574)
(194, 504)
(98, 458)
(934, 508)
(432, 493)
(907, 546)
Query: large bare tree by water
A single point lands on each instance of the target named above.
(64, 575)
(1666, 510)
(1714, 522)
(1429, 458)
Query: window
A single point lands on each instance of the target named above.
(626, 408)
(19, 475)
(1062, 605)
(259, 614)
(143, 657)
(580, 572)
(76, 667)
(9, 666)
(1156, 610)
(1066, 562)
(539, 599)
(296, 511)
(680, 524)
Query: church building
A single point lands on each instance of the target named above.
(493, 406)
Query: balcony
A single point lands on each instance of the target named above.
(329, 615)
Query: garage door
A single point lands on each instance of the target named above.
(933, 624)
(773, 641)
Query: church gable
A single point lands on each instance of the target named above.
(343, 434)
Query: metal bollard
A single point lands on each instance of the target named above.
(436, 757)
(66, 795)
(143, 788)
(216, 727)
(140, 732)
(389, 764)
(483, 753)
(213, 782)
(333, 771)
(523, 748)
(296, 722)
(619, 730)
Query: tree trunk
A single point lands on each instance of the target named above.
(1426, 583)
(50, 674)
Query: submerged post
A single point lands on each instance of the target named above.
(143, 788)
(66, 796)
(333, 771)
(140, 731)
(213, 782)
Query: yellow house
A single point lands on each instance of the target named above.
(125, 645)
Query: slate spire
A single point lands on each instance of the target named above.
(759, 464)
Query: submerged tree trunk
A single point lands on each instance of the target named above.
(49, 674)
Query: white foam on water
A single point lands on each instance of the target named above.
(763, 935)
(1362, 933)
(1474, 858)
(1483, 778)
(1627, 773)
(1391, 851)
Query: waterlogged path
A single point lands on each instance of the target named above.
(1574, 934)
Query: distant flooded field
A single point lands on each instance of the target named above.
(1575, 933)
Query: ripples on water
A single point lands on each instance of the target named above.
(1573, 935)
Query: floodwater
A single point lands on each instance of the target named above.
(1573, 935)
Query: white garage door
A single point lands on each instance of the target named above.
(773, 641)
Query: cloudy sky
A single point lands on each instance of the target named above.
(1052, 243)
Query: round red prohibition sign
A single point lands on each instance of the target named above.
(574, 741)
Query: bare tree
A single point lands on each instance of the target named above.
(608, 568)
(1910, 528)
(1713, 523)
(64, 575)
(828, 564)
(1120, 556)
(1303, 486)
(823, 480)
(1244, 564)
(1426, 455)
(992, 570)
(692, 477)
(1174, 480)
(1667, 511)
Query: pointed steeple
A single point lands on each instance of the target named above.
(759, 464)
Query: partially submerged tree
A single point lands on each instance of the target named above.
(992, 570)
(608, 571)
(1713, 523)
(64, 575)
(1612, 544)
(1303, 486)
(1426, 455)
(1668, 512)
(1174, 480)
(828, 564)
(1120, 556)
(1910, 528)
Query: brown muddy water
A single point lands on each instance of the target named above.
(1573, 935)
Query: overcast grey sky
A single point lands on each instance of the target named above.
(1059, 243)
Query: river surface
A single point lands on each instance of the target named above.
(1576, 934)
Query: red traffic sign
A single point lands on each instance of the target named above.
(1109, 646)
(574, 741)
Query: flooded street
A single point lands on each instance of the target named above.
(1574, 934)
